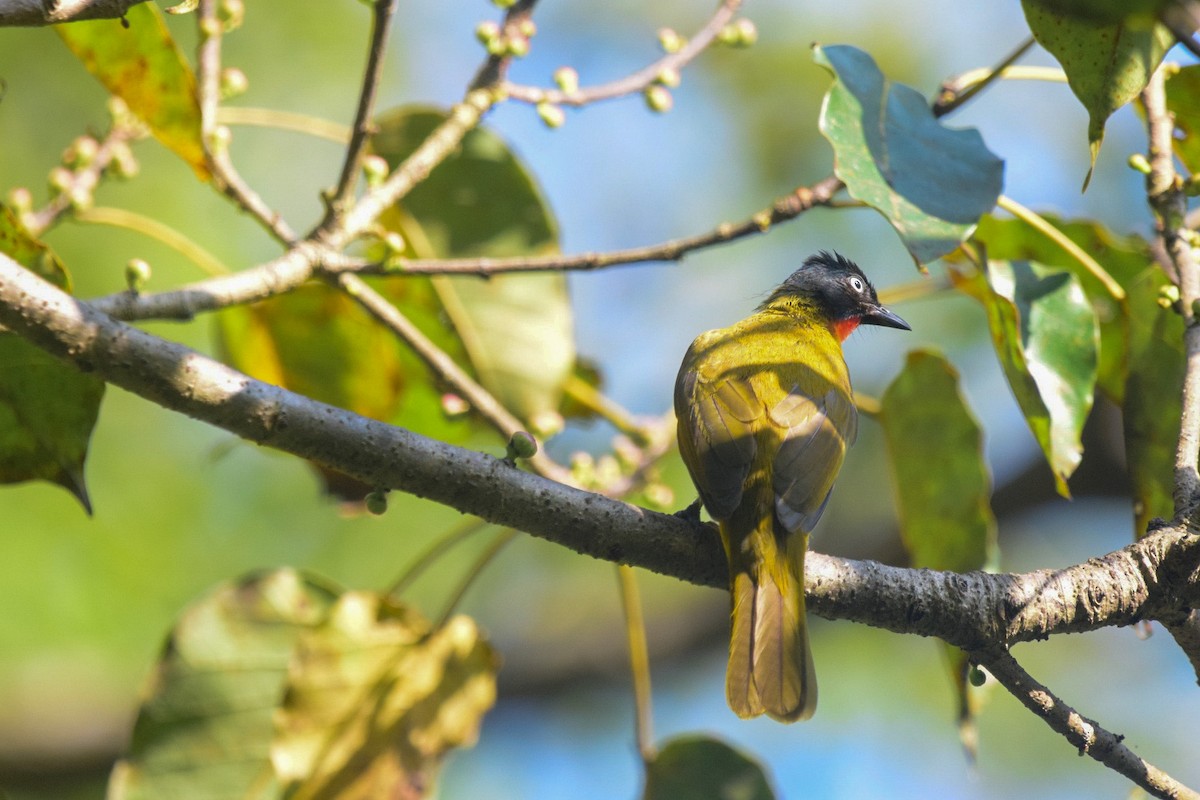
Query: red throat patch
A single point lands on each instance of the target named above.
(845, 327)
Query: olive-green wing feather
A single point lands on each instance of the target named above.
(716, 436)
(816, 431)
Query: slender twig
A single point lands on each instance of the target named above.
(284, 120)
(445, 368)
(785, 208)
(1084, 734)
(961, 88)
(1039, 224)
(485, 558)
(637, 81)
(148, 226)
(435, 551)
(85, 180)
(216, 149)
(1164, 191)
(639, 661)
(381, 24)
(1165, 194)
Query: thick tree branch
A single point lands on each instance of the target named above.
(52, 12)
(1106, 747)
(1153, 579)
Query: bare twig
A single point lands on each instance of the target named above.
(382, 13)
(446, 369)
(961, 88)
(85, 179)
(637, 81)
(1164, 190)
(212, 137)
(1085, 734)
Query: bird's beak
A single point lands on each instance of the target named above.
(881, 316)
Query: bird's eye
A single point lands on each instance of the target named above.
(856, 284)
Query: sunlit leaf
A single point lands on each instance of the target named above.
(1121, 257)
(1183, 101)
(516, 329)
(137, 60)
(206, 726)
(942, 486)
(702, 768)
(1152, 398)
(930, 181)
(47, 408)
(1107, 63)
(1047, 339)
(376, 698)
(935, 448)
(1134, 12)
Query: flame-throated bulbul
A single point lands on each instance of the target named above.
(766, 412)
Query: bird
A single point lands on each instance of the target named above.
(765, 414)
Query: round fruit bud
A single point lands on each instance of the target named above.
(552, 115)
(61, 179)
(233, 83)
(669, 77)
(521, 445)
(394, 242)
(221, 137)
(659, 99)
(375, 170)
(81, 152)
(137, 275)
(376, 502)
(747, 32)
(670, 41)
(567, 79)
(232, 13)
(527, 28)
(546, 423)
(20, 200)
(1138, 163)
(518, 46)
(123, 163)
(487, 31)
(454, 406)
(976, 676)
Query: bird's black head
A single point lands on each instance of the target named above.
(840, 293)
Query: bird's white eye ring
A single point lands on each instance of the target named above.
(856, 284)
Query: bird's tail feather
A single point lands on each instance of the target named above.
(770, 665)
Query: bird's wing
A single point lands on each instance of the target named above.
(717, 436)
(815, 434)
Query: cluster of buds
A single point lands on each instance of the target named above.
(512, 40)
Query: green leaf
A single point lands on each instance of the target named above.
(375, 699)
(1107, 63)
(47, 408)
(1153, 404)
(931, 182)
(138, 61)
(206, 726)
(935, 448)
(1183, 101)
(1121, 257)
(943, 489)
(318, 342)
(516, 329)
(702, 768)
(1047, 339)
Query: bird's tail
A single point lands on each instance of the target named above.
(770, 664)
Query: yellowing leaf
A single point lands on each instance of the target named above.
(138, 61)
(204, 730)
(375, 699)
